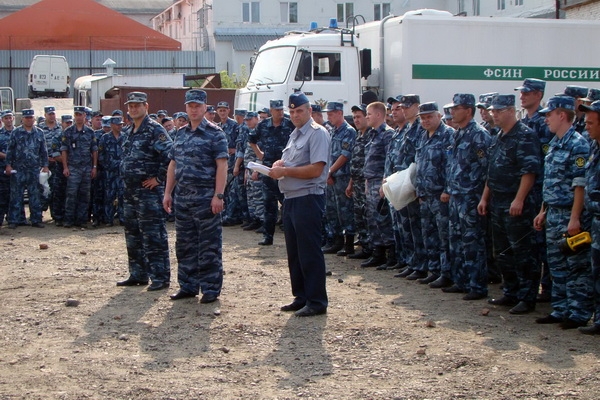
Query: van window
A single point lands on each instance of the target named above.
(324, 66)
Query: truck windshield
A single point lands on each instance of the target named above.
(272, 66)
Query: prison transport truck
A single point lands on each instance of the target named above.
(427, 52)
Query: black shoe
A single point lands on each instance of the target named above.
(253, 225)
(131, 282)
(38, 225)
(180, 294)
(590, 330)
(504, 301)
(453, 289)
(265, 242)
(293, 306)
(12, 226)
(543, 297)
(261, 229)
(398, 265)
(549, 319)
(361, 255)
(474, 296)
(568, 323)
(429, 279)
(158, 286)
(306, 311)
(416, 275)
(404, 273)
(208, 298)
(522, 308)
(441, 282)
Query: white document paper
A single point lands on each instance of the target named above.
(261, 169)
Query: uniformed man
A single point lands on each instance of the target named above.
(182, 120)
(267, 142)
(144, 170)
(486, 117)
(531, 95)
(53, 134)
(98, 184)
(380, 224)
(256, 208)
(210, 113)
(96, 121)
(66, 121)
(303, 166)
(237, 181)
(263, 113)
(592, 205)
(579, 93)
(338, 207)
(5, 131)
(199, 167)
(79, 150)
(563, 213)
(230, 127)
(110, 153)
(514, 162)
(356, 185)
(465, 180)
(317, 114)
(26, 154)
(161, 114)
(169, 125)
(430, 181)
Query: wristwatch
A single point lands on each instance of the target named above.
(219, 196)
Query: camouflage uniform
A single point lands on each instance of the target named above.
(380, 226)
(512, 155)
(467, 166)
(145, 155)
(110, 153)
(4, 179)
(430, 182)
(97, 189)
(199, 231)
(273, 140)
(592, 204)
(26, 154)
(358, 188)
(232, 211)
(55, 167)
(571, 275)
(242, 196)
(79, 145)
(254, 189)
(338, 206)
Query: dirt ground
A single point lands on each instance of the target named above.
(383, 337)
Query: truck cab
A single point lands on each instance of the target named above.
(322, 64)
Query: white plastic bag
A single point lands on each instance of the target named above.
(399, 188)
(43, 179)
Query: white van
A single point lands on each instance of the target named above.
(49, 76)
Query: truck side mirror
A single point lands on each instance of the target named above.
(304, 71)
(365, 63)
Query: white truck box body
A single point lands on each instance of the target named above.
(49, 76)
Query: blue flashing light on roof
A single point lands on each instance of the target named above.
(313, 25)
(333, 23)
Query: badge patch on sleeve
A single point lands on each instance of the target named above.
(162, 137)
(480, 153)
(580, 162)
(545, 148)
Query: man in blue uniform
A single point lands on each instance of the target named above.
(592, 204)
(110, 153)
(514, 162)
(198, 172)
(303, 167)
(230, 127)
(563, 213)
(467, 167)
(26, 154)
(430, 181)
(144, 170)
(578, 93)
(338, 207)
(5, 131)
(268, 141)
(80, 161)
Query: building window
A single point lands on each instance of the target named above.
(251, 12)
(518, 2)
(289, 12)
(501, 4)
(381, 10)
(345, 11)
(476, 7)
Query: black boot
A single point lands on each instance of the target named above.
(363, 254)
(391, 256)
(377, 258)
(348, 246)
(337, 245)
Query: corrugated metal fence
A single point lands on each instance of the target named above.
(14, 64)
